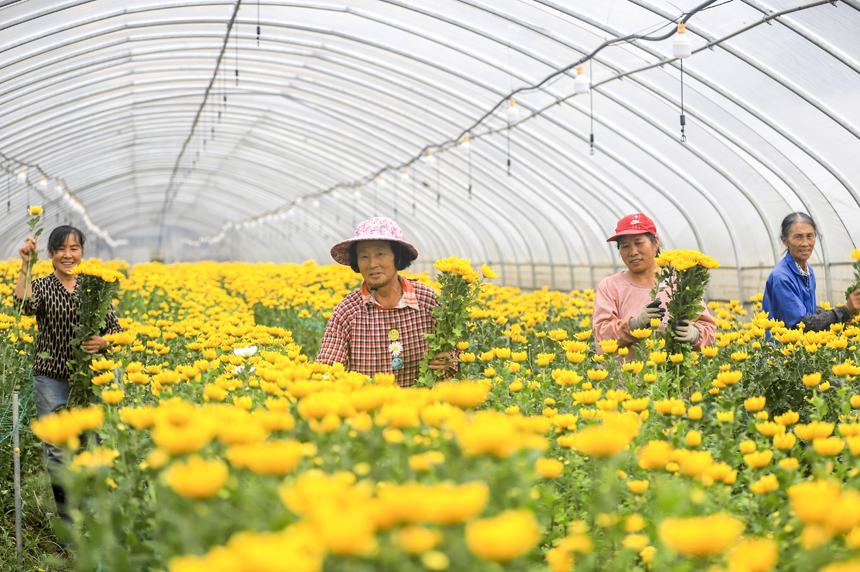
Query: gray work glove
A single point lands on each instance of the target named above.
(646, 314)
(686, 333)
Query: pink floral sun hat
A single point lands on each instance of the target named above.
(377, 228)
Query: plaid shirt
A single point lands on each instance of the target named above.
(357, 333)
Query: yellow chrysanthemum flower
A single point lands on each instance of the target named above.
(702, 537)
(509, 535)
(197, 478)
(753, 555)
(488, 272)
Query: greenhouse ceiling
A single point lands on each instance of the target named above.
(265, 131)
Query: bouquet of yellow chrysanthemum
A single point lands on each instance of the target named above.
(96, 288)
(684, 275)
(460, 286)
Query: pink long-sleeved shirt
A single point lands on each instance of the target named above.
(618, 299)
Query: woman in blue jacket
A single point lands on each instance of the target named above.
(789, 295)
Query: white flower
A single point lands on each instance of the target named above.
(395, 348)
(240, 368)
(245, 351)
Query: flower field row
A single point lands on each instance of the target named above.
(225, 447)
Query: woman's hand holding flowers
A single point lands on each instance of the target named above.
(648, 312)
(686, 333)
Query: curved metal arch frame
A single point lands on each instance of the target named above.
(97, 126)
(493, 239)
(800, 93)
(679, 209)
(752, 202)
(692, 73)
(524, 241)
(700, 241)
(827, 263)
(825, 165)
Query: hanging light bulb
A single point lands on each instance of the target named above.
(466, 144)
(382, 181)
(429, 158)
(316, 203)
(358, 191)
(513, 113)
(290, 211)
(22, 175)
(681, 47)
(404, 175)
(60, 188)
(43, 184)
(299, 200)
(581, 83)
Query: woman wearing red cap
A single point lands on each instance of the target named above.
(623, 302)
(380, 327)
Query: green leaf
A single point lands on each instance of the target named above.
(45, 356)
(38, 233)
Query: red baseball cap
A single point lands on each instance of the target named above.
(633, 224)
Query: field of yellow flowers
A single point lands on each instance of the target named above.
(224, 447)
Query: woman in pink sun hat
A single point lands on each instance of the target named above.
(380, 327)
(623, 300)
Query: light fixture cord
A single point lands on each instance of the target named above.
(683, 119)
(591, 103)
(438, 188)
(237, 53)
(258, 23)
(470, 168)
(509, 150)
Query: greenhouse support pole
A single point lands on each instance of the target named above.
(16, 448)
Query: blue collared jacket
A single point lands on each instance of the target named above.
(789, 295)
